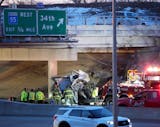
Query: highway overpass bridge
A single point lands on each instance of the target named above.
(85, 39)
(81, 39)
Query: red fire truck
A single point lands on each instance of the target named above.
(152, 77)
(136, 82)
(133, 85)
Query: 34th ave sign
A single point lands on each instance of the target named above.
(51, 22)
(30, 22)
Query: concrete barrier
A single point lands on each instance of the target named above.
(10, 108)
(140, 113)
(26, 109)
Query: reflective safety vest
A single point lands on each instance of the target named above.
(24, 95)
(31, 96)
(95, 92)
(57, 94)
(57, 97)
(40, 95)
(68, 93)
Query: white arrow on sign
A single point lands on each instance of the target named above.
(61, 21)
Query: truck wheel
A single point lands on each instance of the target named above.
(108, 101)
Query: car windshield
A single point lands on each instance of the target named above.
(99, 113)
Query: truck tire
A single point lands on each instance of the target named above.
(108, 101)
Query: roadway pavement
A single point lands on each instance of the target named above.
(30, 121)
(17, 114)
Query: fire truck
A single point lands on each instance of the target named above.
(150, 96)
(140, 81)
(133, 85)
(152, 77)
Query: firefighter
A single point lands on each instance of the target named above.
(57, 96)
(95, 94)
(69, 96)
(31, 96)
(40, 97)
(24, 95)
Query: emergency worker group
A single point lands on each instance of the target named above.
(80, 91)
(66, 97)
(74, 93)
(32, 96)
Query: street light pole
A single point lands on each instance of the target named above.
(114, 65)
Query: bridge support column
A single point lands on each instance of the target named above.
(52, 71)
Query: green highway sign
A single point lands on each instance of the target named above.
(31, 22)
(20, 22)
(51, 22)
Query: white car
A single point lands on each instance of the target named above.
(87, 116)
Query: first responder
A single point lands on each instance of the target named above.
(95, 94)
(57, 96)
(40, 97)
(24, 95)
(31, 96)
(69, 96)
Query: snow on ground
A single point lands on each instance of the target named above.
(96, 16)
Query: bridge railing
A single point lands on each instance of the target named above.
(123, 31)
(107, 20)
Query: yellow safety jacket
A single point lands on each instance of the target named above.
(68, 93)
(24, 95)
(31, 96)
(95, 93)
(40, 96)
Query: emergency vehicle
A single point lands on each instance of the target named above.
(128, 88)
(139, 81)
(150, 96)
(136, 82)
(133, 85)
(152, 77)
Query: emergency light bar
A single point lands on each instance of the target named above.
(153, 69)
